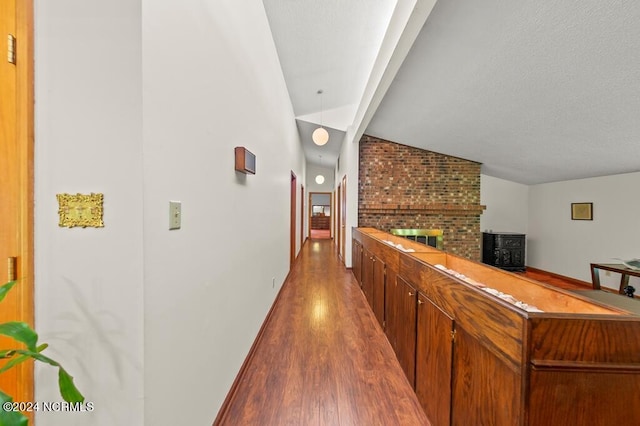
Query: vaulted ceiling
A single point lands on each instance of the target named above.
(535, 91)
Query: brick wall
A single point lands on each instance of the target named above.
(405, 187)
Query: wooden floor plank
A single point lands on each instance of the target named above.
(322, 358)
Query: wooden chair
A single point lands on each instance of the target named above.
(430, 237)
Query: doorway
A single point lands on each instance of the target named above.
(320, 214)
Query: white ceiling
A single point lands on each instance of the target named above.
(328, 45)
(536, 91)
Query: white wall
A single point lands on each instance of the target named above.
(211, 81)
(144, 101)
(349, 157)
(329, 178)
(320, 199)
(564, 246)
(88, 138)
(507, 206)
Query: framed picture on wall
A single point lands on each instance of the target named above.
(581, 211)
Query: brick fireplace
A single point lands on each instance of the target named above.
(405, 187)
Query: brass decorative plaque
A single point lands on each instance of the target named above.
(80, 210)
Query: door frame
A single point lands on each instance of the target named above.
(21, 296)
(338, 221)
(343, 220)
(301, 215)
(292, 228)
(310, 212)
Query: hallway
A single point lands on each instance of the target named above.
(321, 357)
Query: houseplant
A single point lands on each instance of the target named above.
(27, 347)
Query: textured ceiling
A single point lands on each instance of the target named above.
(536, 91)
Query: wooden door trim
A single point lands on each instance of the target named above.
(338, 219)
(343, 220)
(292, 228)
(25, 136)
(330, 194)
(301, 215)
(24, 191)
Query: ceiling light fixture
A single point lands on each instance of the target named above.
(320, 135)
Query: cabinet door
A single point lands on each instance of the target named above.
(407, 298)
(434, 356)
(484, 389)
(356, 261)
(378, 289)
(391, 309)
(367, 275)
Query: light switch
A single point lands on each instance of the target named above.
(175, 214)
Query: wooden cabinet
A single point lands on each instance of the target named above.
(379, 284)
(391, 322)
(373, 283)
(594, 360)
(320, 222)
(403, 326)
(356, 261)
(367, 275)
(486, 390)
(434, 358)
(492, 357)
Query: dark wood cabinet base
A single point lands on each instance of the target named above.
(504, 250)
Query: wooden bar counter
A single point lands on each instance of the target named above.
(483, 346)
(321, 358)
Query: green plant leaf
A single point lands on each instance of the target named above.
(10, 353)
(21, 332)
(13, 362)
(11, 418)
(4, 289)
(7, 353)
(38, 356)
(68, 389)
(4, 397)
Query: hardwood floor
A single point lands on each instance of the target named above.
(321, 357)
